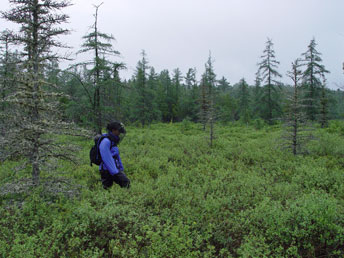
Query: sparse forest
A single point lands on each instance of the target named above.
(218, 168)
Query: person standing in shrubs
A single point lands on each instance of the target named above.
(111, 167)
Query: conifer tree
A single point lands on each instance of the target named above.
(4, 69)
(142, 100)
(112, 93)
(99, 44)
(34, 113)
(190, 79)
(295, 126)
(152, 79)
(164, 95)
(267, 68)
(207, 100)
(204, 102)
(323, 105)
(176, 94)
(256, 98)
(312, 77)
(190, 103)
(223, 85)
(244, 101)
(152, 95)
(7, 70)
(226, 103)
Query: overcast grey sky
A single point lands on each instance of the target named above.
(180, 33)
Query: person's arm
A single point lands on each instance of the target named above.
(121, 168)
(104, 149)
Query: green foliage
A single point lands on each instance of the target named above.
(258, 123)
(34, 106)
(186, 126)
(242, 198)
(267, 68)
(308, 226)
(244, 100)
(313, 77)
(328, 144)
(336, 126)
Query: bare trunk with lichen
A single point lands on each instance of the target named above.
(33, 117)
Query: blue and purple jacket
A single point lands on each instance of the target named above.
(111, 160)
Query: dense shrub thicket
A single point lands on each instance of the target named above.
(245, 197)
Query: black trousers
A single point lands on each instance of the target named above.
(120, 178)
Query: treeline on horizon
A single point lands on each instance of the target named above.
(171, 96)
(95, 93)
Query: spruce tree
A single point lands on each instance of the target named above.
(142, 99)
(244, 101)
(295, 134)
(100, 45)
(226, 103)
(152, 95)
(8, 67)
(4, 68)
(207, 98)
(34, 117)
(256, 98)
(112, 94)
(176, 94)
(312, 76)
(204, 102)
(190, 104)
(190, 79)
(267, 68)
(164, 95)
(223, 85)
(323, 105)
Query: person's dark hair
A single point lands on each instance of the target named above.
(115, 126)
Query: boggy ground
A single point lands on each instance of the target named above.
(245, 197)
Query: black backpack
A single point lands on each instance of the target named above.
(95, 157)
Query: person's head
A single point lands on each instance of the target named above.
(116, 128)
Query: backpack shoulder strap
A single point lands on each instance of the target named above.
(103, 137)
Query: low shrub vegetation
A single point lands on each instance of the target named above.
(245, 197)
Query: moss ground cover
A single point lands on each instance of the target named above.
(245, 197)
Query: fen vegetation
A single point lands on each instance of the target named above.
(218, 169)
